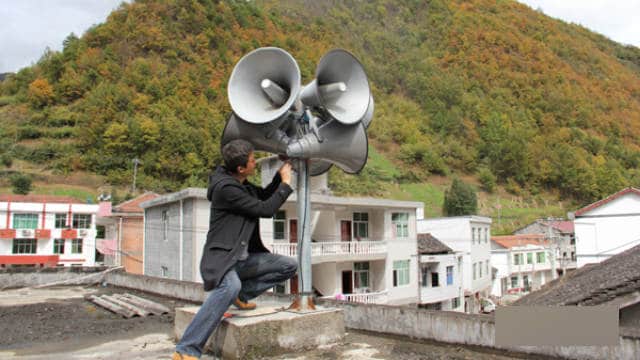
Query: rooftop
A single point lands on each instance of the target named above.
(510, 241)
(133, 205)
(586, 209)
(592, 284)
(51, 199)
(428, 244)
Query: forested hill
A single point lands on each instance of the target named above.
(461, 87)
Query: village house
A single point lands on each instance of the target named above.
(46, 230)
(523, 262)
(562, 239)
(607, 227)
(121, 228)
(440, 275)
(468, 235)
(363, 249)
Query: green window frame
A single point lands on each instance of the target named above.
(401, 223)
(81, 221)
(24, 246)
(360, 225)
(279, 225)
(61, 221)
(25, 221)
(58, 246)
(540, 257)
(529, 258)
(76, 246)
(401, 273)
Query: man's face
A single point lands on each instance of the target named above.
(250, 169)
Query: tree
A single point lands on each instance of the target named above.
(40, 93)
(21, 184)
(460, 199)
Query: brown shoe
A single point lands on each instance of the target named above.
(178, 356)
(241, 305)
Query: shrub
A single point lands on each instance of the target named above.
(460, 199)
(487, 179)
(21, 184)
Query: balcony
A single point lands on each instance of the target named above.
(380, 297)
(325, 251)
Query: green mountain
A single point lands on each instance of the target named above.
(479, 89)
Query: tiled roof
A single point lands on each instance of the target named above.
(39, 199)
(509, 241)
(133, 205)
(564, 226)
(610, 198)
(427, 244)
(591, 284)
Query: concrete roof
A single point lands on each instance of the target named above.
(592, 284)
(475, 218)
(51, 199)
(201, 193)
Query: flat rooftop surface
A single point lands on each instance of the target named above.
(58, 323)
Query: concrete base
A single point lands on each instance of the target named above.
(268, 331)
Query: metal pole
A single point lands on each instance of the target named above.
(304, 235)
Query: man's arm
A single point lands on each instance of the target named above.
(265, 193)
(242, 202)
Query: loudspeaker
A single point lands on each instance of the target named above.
(343, 145)
(340, 88)
(264, 137)
(264, 85)
(368, 116)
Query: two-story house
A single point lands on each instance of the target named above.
(45, 230)
(561, 235)
(440, 275)
(363, 249)
(468, 235)
(607, 227)
(524, 263)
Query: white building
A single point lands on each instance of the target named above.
(561, 235)
(46, 230)
(523, 262)
(440, 275)
(468, 235)
(363, 249)
(607, 227)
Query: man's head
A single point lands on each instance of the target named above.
(238, 157)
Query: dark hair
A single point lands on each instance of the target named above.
(236, 153)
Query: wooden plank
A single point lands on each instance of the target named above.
(137, 303)
(154, 307)
(111, 306)
(126, 305)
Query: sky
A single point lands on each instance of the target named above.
(28, 27)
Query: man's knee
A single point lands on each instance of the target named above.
(290, 266)
(231, 284)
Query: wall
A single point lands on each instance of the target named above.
(132, 244)
(23, 277)
(158, 252)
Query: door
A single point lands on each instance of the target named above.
(347, 282)
(293, 231)
(345, 235)
(293, 284)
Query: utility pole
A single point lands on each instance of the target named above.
(136, 162)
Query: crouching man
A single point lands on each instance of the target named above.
(235, 265)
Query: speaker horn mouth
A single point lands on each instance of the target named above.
(264, 85)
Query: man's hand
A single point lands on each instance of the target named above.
(285, 173)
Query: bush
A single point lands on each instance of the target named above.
(6, 159)
(21, 184)
(487, 179)
(460, 199)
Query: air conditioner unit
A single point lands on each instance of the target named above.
(83, 232)
(26, 233)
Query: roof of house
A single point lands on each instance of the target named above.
(592, 284)
(564, 226)
(133, 205)
(606, 200)
(51, 199)
(509, 241)
(428, 244)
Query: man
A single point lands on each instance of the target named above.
(235, 265)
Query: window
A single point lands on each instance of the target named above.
(24, 246)
(164, 271)
(455, 303)
(525, 282)
(517, 259)
(58, 246)
(100, 232)
(486, 267)
(400, 272)
(361, 276)
(540, 257)
(486, 235)
(480, 269)
(360, 225)
(474, 271)
(473, 235)
(401, 223)
(573, 256)
(514, 281)
(25, 221)
(434, 279)
(529, 258)
(279, 222)
(81, 221)
(61, 221)
(76, 246)
(424, 273)
(280, 288)
(449, 275)
(165, 225)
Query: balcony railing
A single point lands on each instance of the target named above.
(334, 248)
(380, 297)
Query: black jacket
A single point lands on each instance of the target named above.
(234, 221)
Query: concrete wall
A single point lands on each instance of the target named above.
(467, 329)
(160, 253)
(25, 277)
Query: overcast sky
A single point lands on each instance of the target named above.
(28, 27)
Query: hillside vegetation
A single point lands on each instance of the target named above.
(548, 109)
